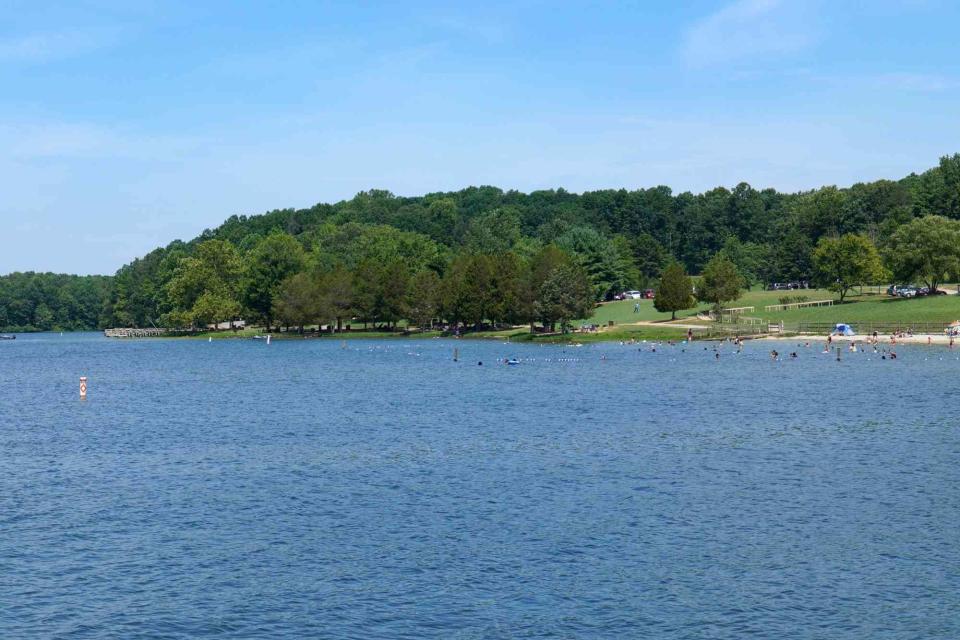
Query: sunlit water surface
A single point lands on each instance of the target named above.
(307, 489)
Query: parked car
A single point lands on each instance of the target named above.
(632, 295)
(907, 292)
(649, 294)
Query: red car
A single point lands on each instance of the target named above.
(648, 294)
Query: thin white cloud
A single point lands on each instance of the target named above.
(746, 30)
(44, 47)
(66, 140)
(915, 82)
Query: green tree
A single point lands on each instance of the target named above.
(507, 280)
(336, 287)
(494, 232)
(608, 264)
(565, 294)
(212, 307)
(204, 287)
(938, 190)
(841, 263)
(273, 259)
(823, 212)
(423, 296)
(649, 256)
(675, 292)
(719, 283)
(299, 301)
(380, 291)
(926, 248)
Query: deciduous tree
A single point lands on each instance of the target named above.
(844, 262)
(927, 249)
(719, 283)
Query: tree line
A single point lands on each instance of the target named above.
(484, 255)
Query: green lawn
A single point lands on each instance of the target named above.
(621, 312)
(624, 333)
(870, 307)
(877, 309)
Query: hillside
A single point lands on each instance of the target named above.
(619, 239)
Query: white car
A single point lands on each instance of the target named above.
(632, 295)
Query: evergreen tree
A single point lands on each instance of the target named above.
(675, 292)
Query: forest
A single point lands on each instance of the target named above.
(483, 256)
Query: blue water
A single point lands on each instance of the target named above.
(234, 489)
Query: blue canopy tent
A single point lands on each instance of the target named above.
(844, 330)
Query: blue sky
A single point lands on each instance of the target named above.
(125, 125)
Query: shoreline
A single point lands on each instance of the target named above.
(653, 335)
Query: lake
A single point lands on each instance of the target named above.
(378, 489)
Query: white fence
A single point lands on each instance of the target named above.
(798, 305)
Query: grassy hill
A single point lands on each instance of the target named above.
(870, 307)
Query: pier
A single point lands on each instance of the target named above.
(137, 333)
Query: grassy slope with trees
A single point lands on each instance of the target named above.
(482, 256)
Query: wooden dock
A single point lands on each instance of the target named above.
(136, 333)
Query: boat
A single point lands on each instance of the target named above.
(6, 337)
(513, 361)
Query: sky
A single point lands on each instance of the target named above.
(126, 125)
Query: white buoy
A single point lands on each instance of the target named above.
(268, 338)
(83, 387)
(210, 339)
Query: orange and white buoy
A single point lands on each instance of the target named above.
(83, 387)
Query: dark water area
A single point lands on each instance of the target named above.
(234, 489)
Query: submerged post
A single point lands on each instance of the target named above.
(83, 387)
(838, 354)
(456, 355)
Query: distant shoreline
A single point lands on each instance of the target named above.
(649, 334)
